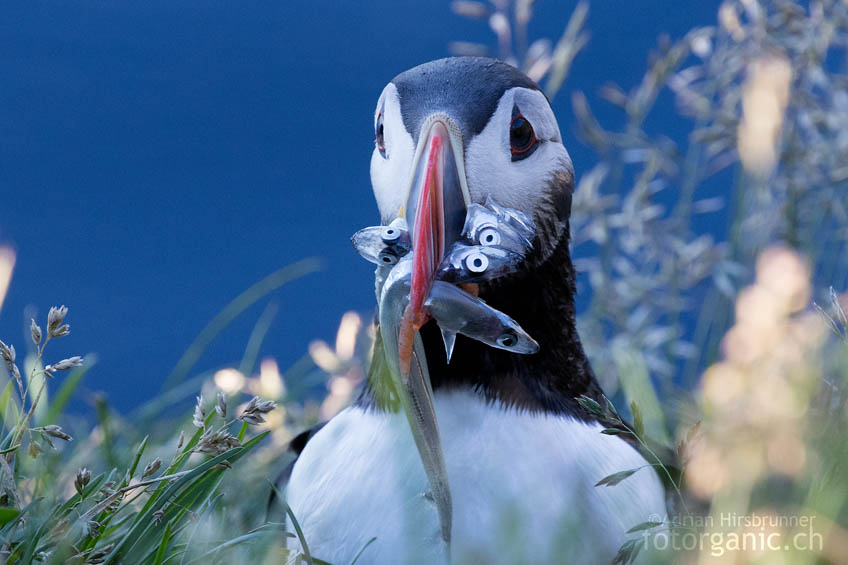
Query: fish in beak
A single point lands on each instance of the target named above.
(437, 204)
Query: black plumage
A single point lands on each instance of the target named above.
(466, 88)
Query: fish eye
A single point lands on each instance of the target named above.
(387, 258)
(489, 236)
(508, 339)
(476, 262)
(522, 138)
(380, 140)
(390, 234)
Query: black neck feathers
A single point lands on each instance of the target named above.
(540, 297)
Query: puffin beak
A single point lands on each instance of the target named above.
(436, 208)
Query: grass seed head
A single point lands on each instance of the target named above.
(82, 479)
(99, 555)
(199, 418)
(63, 365)
(157, 517)
(7, 352)
(151, 468)
(55, 317)
(56, 431)
(221, 405)
(93, 528)
(62, 331)
(107, 491)
(34, 332)
(216, 442)
(254, 412)
(16, 374)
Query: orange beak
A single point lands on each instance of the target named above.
(439, 215)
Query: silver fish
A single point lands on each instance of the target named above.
(518, 220)
(474, 263)
(383, 245)
(493, 225)
(411, 379)
(496, 241)
(456, 311)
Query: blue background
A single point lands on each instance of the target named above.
(156, 158)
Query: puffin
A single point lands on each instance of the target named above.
(521, 450)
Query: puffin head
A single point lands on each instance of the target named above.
(458, 131)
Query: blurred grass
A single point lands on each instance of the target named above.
(693, 322)
(127, 506)
(239, 304)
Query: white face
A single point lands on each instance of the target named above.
(390, 174)
(506, 161)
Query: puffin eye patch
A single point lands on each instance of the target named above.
(380, 141)
(522, 139)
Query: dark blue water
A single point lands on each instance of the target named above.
(158, 157)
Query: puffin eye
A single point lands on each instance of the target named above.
(522, 138)
(380, 141)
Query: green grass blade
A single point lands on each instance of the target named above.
(155, 407)
(228, 544)
(243, 430)
(257, 336)
(191, 499)
(300, 536)
(638, 388)
(105, 420)
(7, 515)
(9, 526)
(239, 304)
(138, 453)
(7, 439)
(9, 449)
(205, 516)
(5, 402)
(163, 546)
(281, 500)
(179, 461)
(145, 518)
(361, 549)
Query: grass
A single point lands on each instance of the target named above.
(713, 335)
(133, 508)
(727, 346)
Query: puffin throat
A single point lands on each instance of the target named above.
(540, 297)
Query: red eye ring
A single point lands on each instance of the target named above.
(379, 140)
(522, 138)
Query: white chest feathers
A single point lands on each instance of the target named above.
(522, 488)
